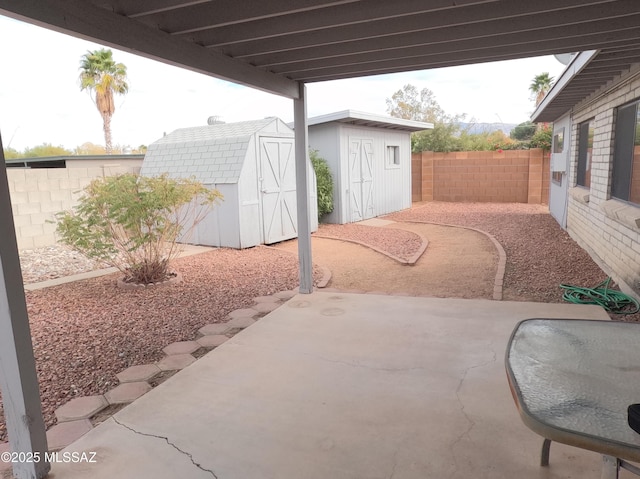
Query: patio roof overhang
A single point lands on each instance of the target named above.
(271, 44)
(278, 46)
(586, 76)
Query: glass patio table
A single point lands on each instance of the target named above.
(572, 381)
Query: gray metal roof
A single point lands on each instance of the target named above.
(273, 44)
(360, 118)
(212, 154)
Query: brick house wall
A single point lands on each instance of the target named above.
(606, 227)
(511, 176)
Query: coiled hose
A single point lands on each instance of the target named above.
(611, 300)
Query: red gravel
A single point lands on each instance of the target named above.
(84, 333)
(540, 254)
(401, 243)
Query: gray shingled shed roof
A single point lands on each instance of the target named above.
(211, 153)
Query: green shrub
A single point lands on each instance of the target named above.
(133, 222)
(324, 182)
(542, 137)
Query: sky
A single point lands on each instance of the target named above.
(41, 101)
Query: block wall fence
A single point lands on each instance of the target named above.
(38, 194)
(509, 176)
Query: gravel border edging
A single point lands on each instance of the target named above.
(498, 284)
(410, 262)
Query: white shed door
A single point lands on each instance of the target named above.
(278, 185)
(361, 178)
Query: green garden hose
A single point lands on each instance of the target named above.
(611, 300)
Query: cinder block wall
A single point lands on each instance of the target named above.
(38, 194)
(512, 176)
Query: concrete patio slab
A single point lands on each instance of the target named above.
(342, 386)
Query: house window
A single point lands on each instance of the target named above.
(625, 184)
(558, 141)
(556, 177)
(585, 149)
(393, 155)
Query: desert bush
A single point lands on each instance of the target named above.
(134, 222)
(325, 184)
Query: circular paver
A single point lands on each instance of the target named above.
(266, 299)
(213, 328)
(81, 408)
(175, 362)
(63, 434)
(266, 307)
(241, 322)
(127, 392)
(212, 340)
(244, 313)
(286, 294)
(180, 347)
(133, 374)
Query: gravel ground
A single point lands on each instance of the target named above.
(84, 333)
(400, 243)
(53, 262)
(540, 254)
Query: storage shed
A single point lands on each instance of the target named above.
(370, 158)
(252, 163)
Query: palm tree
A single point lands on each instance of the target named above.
(103, 76)
(540, 85)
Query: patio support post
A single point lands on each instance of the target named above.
(18, 379)
(302, 190)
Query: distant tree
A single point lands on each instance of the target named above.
(11, 153)
(542, 137)
(410, 104)
(103, 77)
(540, 85)
(46, 149)
(89, 148)
(140, 150)
(524, 131)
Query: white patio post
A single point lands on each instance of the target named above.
(302, 190)
(18, 380)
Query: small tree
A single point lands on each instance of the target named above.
(324, 180)
(133, 222)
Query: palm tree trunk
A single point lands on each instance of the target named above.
(106, 126)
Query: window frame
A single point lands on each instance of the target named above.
(624, 144)
(584, 155)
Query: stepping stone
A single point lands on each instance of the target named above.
(266, 307)
(63, 434)
(181, 347)
(133, 374)
(266, 299)
(175, 362)
(4, 466)
(214, 328)
(127, 392)
(242, 323)
(244, 313)
(81, 408)
(212, 341)
(284, 295)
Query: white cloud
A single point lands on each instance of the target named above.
(40, 100)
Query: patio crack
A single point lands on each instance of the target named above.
(166, 439)
(471, 422)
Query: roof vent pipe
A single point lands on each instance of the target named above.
(214, 120)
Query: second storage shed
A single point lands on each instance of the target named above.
(370, 158)
(252, 163)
